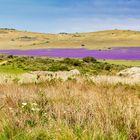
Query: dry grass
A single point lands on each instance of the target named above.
(116, 79)
(70, 110)
(13, 39)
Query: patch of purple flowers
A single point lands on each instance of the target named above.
(130, 53)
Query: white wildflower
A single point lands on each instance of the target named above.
(24, 104)
(35, 109)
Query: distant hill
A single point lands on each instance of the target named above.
(14, 39)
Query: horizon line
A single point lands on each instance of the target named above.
(33, 31)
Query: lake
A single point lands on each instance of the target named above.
(119, 53)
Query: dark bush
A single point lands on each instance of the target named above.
(76, 35)
(58, 68)
(82, 45)
(10, 56)
(89, 59)
(107, 67)
(73, 62)
(67, 61)
(76, 63)
(47, 42)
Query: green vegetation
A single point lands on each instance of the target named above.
(89, 59)
(89, 65)
(26, 38)
(124, 62)
(11, 70)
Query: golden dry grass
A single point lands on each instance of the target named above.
(71, 110)
(13, 39)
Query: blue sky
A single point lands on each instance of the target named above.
(56, 16)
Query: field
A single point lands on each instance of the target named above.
(14, 39)
(135, 63)
(70, 110)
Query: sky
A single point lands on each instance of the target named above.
(54, 16)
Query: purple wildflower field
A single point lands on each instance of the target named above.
(130, 53)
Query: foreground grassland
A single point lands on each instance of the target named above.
(70, 110)
(89, 65)
(14, 39)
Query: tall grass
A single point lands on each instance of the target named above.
(70, 110)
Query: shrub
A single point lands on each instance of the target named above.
(89, 59)
(67, 61)
(74, 62)
(47, 42)
(107, 67)
(82, 45)
(58, 68)
(10, 56)
(76, 35)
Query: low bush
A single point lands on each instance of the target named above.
(73, 62)
(58, 68)
(89, 59)
(107, 67)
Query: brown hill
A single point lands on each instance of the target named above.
(14, 39)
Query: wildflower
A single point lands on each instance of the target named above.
(35, 109)
(24, 104)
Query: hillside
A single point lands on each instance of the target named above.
(14, 39)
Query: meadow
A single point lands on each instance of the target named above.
(130, 63)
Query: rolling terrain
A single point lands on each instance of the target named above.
(68, 98)
(14, 39)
